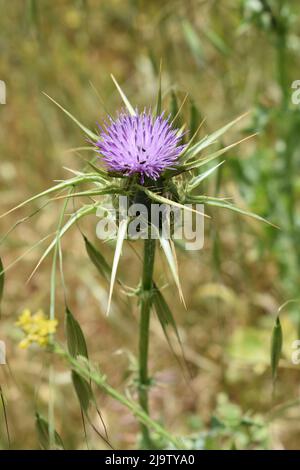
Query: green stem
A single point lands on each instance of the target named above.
(146, 300)
(87, 371)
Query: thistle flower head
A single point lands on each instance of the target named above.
(139, 144)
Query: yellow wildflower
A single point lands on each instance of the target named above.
(37, 328)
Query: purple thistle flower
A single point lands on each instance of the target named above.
(140, 144)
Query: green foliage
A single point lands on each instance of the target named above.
(2, 276)
(42, 428)
(97, 259)
(276, 347)
(75, 338)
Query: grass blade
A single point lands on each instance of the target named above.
(43, 434)
(97, 259)
(164, 313)
(276, 348)
(193, 41)
(75, 337)
(2, 399)
(83, 391)
(217, 41)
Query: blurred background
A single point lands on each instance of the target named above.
(230, 57)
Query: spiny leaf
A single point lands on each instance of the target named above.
(83, 391)
(173, 105)
(183, 155)
(164, 200)
(158, 103)
(211, 138)
(176, 121)
(194, 118)
(120, 239)
(194, 182)
(75, 337)
(203, 161)
(169, 253)
(90, 193)
(98, 170)
(25, 253)
(42, 428)
(124, 97)
(226, 205)
(88, 132)
(276, 347)
(60, 186)
(86, 210)
(97, 259)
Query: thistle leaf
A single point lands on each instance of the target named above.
(172, 262)
(76, 216)
(120, 239)
(60, 186)
(211, 138)
(159, 99)
(194, 118)
(173, 105)
(90, 193)
(194, 183)
(124, 97)
(176, 121)
(203, 161)
(87, 131)
(164, 200)
(98, 170)
(227, 205)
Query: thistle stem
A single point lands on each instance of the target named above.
(146, 301)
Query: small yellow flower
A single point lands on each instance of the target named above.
(37, 328)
